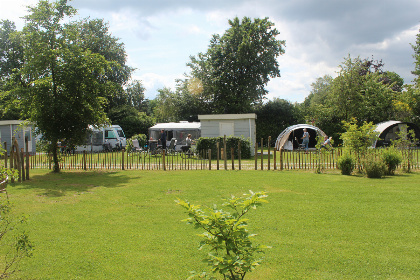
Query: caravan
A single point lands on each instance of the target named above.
(103, 139)
(121, 135)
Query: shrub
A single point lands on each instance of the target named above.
(203, 144)
(374, 168)
(142, 138)
(346, 164)
(232, 253)
(392, 159)
(14, 243)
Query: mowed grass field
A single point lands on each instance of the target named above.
(126, 225)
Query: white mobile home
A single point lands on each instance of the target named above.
(230, 125)
(19, 130)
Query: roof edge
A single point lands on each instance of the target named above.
(228, 116)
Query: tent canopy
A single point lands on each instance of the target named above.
(290, 138)
(176, 130)
(388, 131)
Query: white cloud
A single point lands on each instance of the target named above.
(14, 10)
(152, 82)
(160, 35)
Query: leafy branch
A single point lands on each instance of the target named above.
(231, 248)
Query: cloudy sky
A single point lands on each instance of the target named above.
(160, 35)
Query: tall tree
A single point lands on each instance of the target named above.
(135, 96)
(66, 83)
(166, 109)
(11, 50)
(11, 59)
(238, 65)
(363, 91)
(317, 107)
(414, 90)
(131, 120)
(273, 117)
(416, 55)
(319, 93)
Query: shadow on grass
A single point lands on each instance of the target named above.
(57, 185)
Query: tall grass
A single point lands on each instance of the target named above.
(126, 225)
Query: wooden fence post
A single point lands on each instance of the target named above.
(5, 154)
(274, 157)
(122, 159)
(239, 154)
(256, 155)
(17, 164)
(262, 154)
(12, 154)
(22, 164)
(224, 152)
(209, 159)
(232, 155)
(269, 151)
(84, 160)
(163, 160)
(217, 154)
(15, 158)
(281, 159)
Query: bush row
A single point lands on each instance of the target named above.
(203, 144)
(374, 168)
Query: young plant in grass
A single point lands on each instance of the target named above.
(392, 158)
(321, 153)
(346, 164)
(406, 142)
(358, 139)
(232, 253)
(14, 245)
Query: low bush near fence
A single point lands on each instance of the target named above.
(392, 159)
(374, 168)
(206, 143)
(346, 164)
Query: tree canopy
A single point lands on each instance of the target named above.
(231, 76)
(362, 91)
(69, 72)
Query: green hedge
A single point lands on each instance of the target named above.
(203, 144)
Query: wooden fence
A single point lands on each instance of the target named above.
(264, 160)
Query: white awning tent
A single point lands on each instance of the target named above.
(179, 131)
(388, 131)
(290, 138)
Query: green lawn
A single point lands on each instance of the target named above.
(126, 225)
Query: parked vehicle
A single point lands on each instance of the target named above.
(103, 139)
(121, 134)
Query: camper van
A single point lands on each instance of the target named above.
(121, 134)
(103, 139)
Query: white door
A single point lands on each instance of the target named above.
(226, 128)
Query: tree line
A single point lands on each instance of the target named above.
(64, 74)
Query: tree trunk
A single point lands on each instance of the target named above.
(54, 148)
